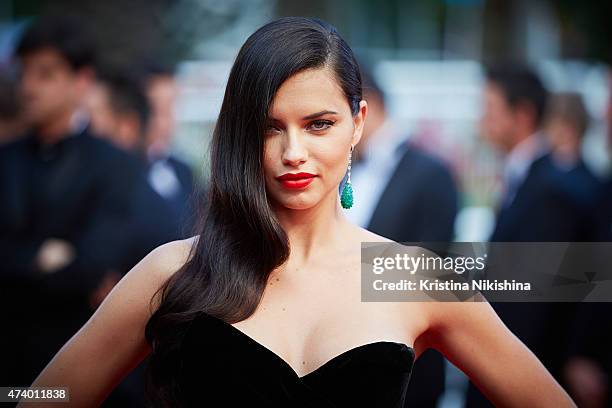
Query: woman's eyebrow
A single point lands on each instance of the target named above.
(317, 114)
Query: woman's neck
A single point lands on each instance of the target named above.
(322, 227)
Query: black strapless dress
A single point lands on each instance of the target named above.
(223, 367)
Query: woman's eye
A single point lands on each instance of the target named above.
(321, 125)
(272, 130)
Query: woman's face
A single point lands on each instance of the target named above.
(310, 131)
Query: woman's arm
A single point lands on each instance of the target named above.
(112, 342)
(474, 338)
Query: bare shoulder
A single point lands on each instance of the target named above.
(112, 342)
(368, 236)
(142, 283)
(154, 270)
(166, 259)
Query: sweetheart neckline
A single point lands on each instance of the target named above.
(288, 366)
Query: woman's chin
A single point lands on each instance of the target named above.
(296, 203)
(298, 206)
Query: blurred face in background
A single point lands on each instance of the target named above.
(498, 121)
(566, 122)
(564, 138)
(50, 87)
(123, 129)
(162, 92)
(311, 129)
(103, 120)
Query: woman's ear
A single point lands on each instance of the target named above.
(359, 121)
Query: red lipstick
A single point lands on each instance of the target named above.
(296, 180)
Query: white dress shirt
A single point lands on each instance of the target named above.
(163, 178)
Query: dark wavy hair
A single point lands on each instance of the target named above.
(240, 239)
(65, 34)
(520, 85)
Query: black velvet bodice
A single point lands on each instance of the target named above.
(222, 366)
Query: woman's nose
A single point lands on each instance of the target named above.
(294, 150)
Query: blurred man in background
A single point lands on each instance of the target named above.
(406, 195)
(119, 109)
(539, 202)
(567, 121)
(162, 91)
(167, 174)
(588, 372)
(67, 198)
(134, 109)
(536, 203)
(121, 113)
(397, 183)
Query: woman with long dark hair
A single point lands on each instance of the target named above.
(262, 307)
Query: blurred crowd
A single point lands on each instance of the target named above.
(549, 194)
(89, 185)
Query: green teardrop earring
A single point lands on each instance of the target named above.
(346, 198)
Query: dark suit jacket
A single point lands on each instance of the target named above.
(603, 213)
(591, 331)
(419, 204)
(84, 191)
(78, 190)
(184, 203)
(551, 205)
